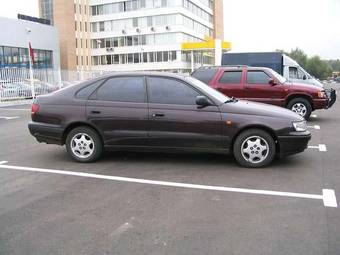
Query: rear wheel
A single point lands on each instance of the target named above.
(84, 144)
(254, 148)
(300, 106)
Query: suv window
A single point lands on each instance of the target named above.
(205, 75)
(170, 91)
(257, 77)
(231, 77)
(122, 89)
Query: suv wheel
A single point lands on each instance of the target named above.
(300, 106)
(84, 144)
(254, 148)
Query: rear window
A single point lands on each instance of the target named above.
(85, 92)
(205, 75)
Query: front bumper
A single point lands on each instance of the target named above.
(46, 133)
(331, 96)
(293, 143)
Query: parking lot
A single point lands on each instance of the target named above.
(153, 203)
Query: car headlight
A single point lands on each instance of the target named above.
(322, 94)
(300, 126)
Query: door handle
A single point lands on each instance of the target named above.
(158, 115)
(95, 112)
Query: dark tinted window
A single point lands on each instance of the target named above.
(170, 91)
(122, 89)
(84, 93)
(257, 77)
(204, 75)
(231, 77)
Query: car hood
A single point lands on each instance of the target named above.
(259, 109)
(305, 86)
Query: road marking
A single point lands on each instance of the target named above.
(314, 116)
(314, 126)
(329, 198)
(326, 197)
(3, 162)
(9, 118)
(320, 147)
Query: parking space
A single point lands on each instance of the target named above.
(157, 203)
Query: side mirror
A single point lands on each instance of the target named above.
(272, 82)
(202, 101)
(304, 77)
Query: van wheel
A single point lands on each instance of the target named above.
(84, 144)
(254, 148)
(300, 106)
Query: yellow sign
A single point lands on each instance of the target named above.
(208, 44)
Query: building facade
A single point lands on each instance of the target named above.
(116, 35)
(14, 49)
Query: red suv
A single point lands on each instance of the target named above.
(264, 85)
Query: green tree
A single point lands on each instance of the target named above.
(299, 56)
(318, 68)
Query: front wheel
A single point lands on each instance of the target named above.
(84, 144)
(300, 106)
(254, 148)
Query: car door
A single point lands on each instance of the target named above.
(230, 84)
(176, 120)
(258, 88)
(118, 108)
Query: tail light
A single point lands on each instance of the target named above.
(34, 108)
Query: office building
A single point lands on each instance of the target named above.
(115, 35)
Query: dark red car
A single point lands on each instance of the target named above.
(157, 111)
(264, 85)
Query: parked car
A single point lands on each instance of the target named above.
(264, 85)
(8, 90)
(158, 111)
(279, 62)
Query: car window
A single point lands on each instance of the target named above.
(257, 77)
(170, 91)
(122, 89)
(204, 75)
(231, 77)
(85, 92)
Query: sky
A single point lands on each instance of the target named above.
(260, 25)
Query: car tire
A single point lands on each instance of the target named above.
(300, 106)
(84, 144)
(254, 148)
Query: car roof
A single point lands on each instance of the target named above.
(141, 73)
(232, 67)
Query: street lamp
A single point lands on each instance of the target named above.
(28, 30)
(99, 42)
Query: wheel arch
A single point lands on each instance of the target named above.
(257, 126)
(304, 96)
(74, 125)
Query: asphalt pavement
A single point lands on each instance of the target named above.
(158, 203)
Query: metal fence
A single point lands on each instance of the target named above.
(15, 83)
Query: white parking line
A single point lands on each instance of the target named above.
(328, 197)
(320, 147)
(314, 126)
(314, 116)
(9, 118)
(3, 162)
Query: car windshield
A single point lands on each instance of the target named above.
(212, 92)
(278, 76)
